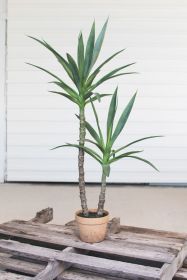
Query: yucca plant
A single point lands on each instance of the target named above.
(83, 87)
(107, 154)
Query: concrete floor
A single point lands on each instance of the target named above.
(154, 207)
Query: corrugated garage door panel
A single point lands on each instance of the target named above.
(155, 35)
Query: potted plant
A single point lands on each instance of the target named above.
(93, 228)
(83, 91)
(83, 87)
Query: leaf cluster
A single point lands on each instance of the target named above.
(80, 71)
(106, 154)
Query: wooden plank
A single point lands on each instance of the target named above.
(181, 274)
(105, 266)
(20, 266)
(52, 270)
(54, 267)
(144, 238)
(27, 250)
(35, 268)
(79, 274)
(154, 232)
(169, 270)
(110, 267)
(12, 276)
(71, 274)
(66, 238)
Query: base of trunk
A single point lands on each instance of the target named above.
(92, 230)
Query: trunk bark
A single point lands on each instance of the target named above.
(101, 203)
(82, 134)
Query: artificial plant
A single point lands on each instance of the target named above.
(107, 154)
(82, 91)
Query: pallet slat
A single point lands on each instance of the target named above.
(12, 276)
(64, 238)
(105, 266)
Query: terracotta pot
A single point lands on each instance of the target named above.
(92, 230)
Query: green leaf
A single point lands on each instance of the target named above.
(122, 120)
(80, 55)
(89, 50)
(68, 89)
(96, 71)
(144, 160)
(86, 149)
(123, 155)
(95, 97)
(96, 144)
(60, 59)
(43, 69)
(97, 121)
(66, 95)
(111, 114)
(141, 139)
(106, 169)
(91, 78)
(99, 43)
(74, 70)
(111, 75)
(92, 132)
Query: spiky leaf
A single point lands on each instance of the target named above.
(74, 100)
(136, 141)
(74, 70)
(123, 156)
(60, 59)
(89, 50)
(123, 119)
(67, 88)
(111, 114)
(86, 149)
(96, 71)
(80, 55)
(99, 43)
(97, 121)
(96, 98)
(144, 160)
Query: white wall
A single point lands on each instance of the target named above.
(2, 89)
(155, 35)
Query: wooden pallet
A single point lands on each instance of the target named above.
(31, 250)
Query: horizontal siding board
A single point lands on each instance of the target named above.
(154, 33)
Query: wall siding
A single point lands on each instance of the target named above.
(3, 15)
(154, 33)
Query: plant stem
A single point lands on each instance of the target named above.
(82, 134)
(101, 203)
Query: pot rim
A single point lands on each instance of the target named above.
(87, 220)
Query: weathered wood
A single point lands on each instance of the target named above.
(114, 225)
(44, 216)
(60, 237)
(52, 270)
(28, 251)
(105, 266)
(154, 232)
(169, 270)
(133, 253)
(34, 269)
(12, 276)
(7, 263)
(181, 274)
(54, 267)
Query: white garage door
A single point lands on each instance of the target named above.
(154, 33)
